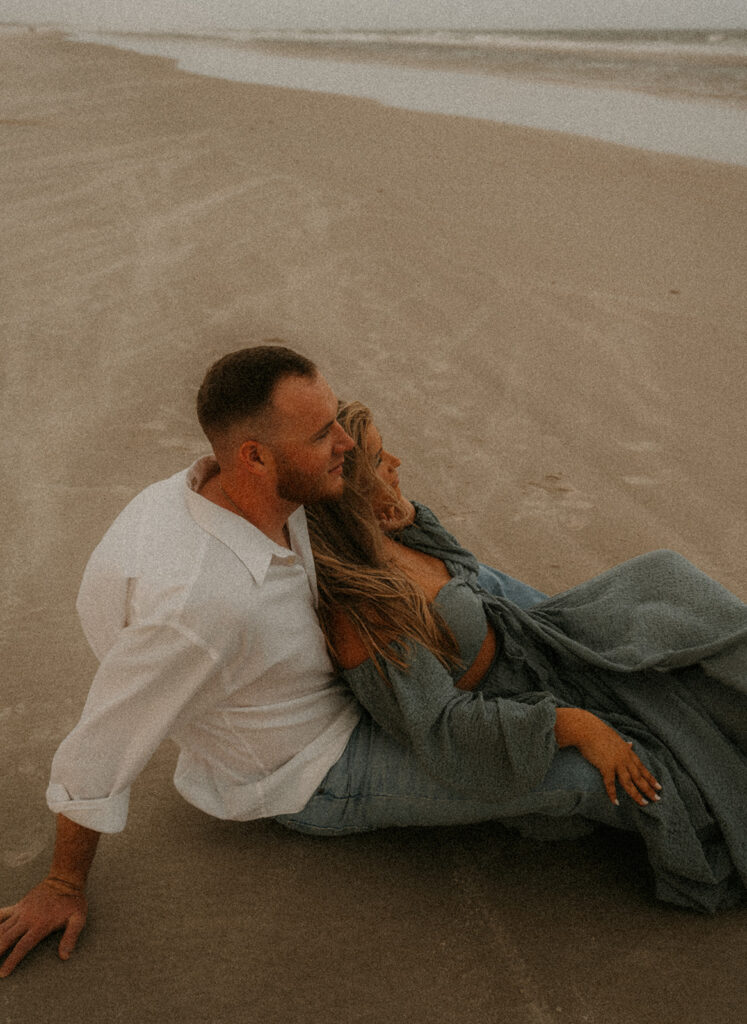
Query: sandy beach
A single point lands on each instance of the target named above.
(550, 331)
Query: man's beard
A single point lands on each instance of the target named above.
(296, 486)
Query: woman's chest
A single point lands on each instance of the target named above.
(428, 572)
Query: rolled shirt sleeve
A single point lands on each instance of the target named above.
(153, 678)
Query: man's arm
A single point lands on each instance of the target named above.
(56, 902)
(154, 674)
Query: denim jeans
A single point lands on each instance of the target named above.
(501, 585)
(378, 783)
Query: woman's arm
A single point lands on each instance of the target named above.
(483, 744)
(395, 517)
(492, 749)
(346, 640)
(605, 748)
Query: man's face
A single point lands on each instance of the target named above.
(308, 444)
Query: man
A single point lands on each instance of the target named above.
(200, 605)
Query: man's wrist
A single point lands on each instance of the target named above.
(65, 884)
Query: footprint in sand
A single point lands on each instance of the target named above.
(553, 498)
(639, 446)
(15, 857)
(641, 478)
(172, 430)
(640, 481)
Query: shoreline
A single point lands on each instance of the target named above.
(404, 56)
(420, 51)
(700, 129)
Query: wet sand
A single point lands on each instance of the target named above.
(551, 333)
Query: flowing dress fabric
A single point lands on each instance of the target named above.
(653, 646)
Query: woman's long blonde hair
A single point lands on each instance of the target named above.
(355, 575)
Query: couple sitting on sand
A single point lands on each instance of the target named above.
(621, 701)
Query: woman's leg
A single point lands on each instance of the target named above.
(500, 584)
(377, 783)
(571, 776)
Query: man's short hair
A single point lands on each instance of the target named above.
(240, 385)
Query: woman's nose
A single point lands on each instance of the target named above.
(393, 461)
(343, 440)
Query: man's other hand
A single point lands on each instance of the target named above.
(52, 905)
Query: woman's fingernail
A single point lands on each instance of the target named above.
(644, 802)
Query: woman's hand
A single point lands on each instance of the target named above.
(396, 516)
(48, 907)
(605, 748)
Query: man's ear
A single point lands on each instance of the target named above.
(253, 456)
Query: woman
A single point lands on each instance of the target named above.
(499, 701)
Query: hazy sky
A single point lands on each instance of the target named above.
(192, 14)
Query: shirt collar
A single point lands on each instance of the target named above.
(254, 548)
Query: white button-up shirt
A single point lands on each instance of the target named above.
(206, 632)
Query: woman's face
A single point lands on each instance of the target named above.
(385, 465)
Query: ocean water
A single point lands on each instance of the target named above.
(680, 92)
(705, 64)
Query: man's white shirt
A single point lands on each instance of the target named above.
(206, 632)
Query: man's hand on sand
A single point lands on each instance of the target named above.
(48, 907)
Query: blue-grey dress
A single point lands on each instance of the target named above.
(653, 646)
